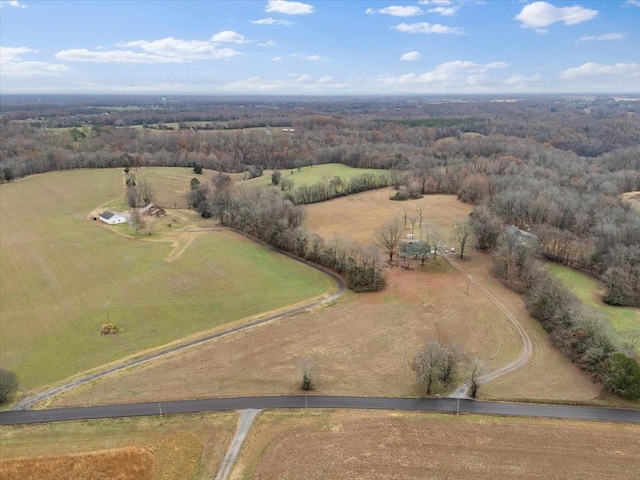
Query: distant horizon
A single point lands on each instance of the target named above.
(320, 48)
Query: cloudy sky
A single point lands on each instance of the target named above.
(319, 46)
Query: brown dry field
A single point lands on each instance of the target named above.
(363, 343)
(358, 217)
(173, 447)
(374, 444)
(118, 464)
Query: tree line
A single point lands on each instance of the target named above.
(265, 214)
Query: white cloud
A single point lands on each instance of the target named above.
(410, 56)
(12, 3)
(13, 54)
(603, 37)
(228, 36)
(268, 43)
(592, 69)
(445, 11)
(288, 7)
(325, 80)
(635, 3)
(450, 76)
(276, 59)
(12, 64)
(271, 21)
(397, 11)
(112, 56)
(436, 2)
(424, 27)
(165, 50)
(313, 58)
(182, 50)
(543, 14)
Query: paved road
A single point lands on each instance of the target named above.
(340, 287)
(13, 417)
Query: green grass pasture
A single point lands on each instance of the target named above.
(314, 174)
(58, 270)
(624, 320)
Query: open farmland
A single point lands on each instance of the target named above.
(315, 174)
(363, 344)
(624, 320)
(58, 272)
(372, 444)
(358, 217)
(176, 447)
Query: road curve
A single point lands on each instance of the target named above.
(449, 405)
(340, 287)
(527, 346)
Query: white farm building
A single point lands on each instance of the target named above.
(112, 218)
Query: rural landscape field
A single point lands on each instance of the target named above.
(318, 241)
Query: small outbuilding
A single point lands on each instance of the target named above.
(152, 210)
(112, 218)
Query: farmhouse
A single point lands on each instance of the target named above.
(112, 218)
(152, 210)
(414, 249)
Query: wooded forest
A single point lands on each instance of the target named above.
(551, 166)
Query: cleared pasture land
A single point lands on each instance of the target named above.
(371, 444)
(358, 217)
(624, 320)
(362, 344)
(58, 271)
(314, 174)
(175, 447)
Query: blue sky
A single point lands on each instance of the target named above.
(319, 47)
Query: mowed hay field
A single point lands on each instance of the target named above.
(363, 343)
(375, 444)
(314, 174)
(624, 320)
(58, 270)
(174, 447)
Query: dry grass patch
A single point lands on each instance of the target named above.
(119, 464)
(373, 444)
(358, 217)
(174, 447)
(362, 345)
(633, 198)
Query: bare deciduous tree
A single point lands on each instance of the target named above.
(462, 231)
(388, 239)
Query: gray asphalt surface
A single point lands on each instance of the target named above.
(451, 405)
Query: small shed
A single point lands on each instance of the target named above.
(152, 210)
(112, 218)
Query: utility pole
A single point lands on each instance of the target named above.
(106, 306)
(468, 284)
